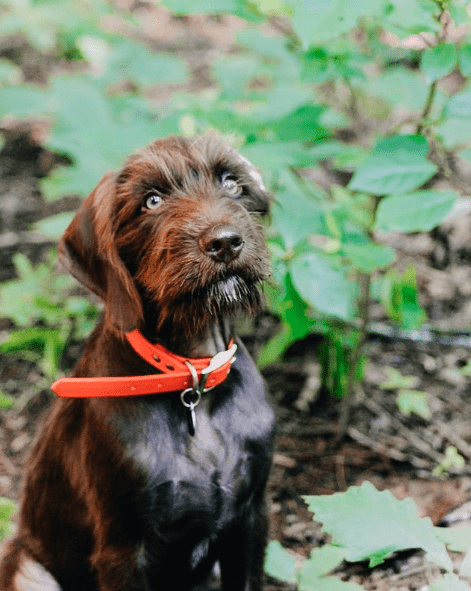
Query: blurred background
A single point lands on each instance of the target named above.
(358, 116)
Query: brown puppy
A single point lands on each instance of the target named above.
(133, 485)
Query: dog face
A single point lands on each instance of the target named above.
(172, 241)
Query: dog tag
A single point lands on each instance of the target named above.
(190, 399)
(191, 418)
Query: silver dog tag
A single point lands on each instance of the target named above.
(191, 418)
(190, 399)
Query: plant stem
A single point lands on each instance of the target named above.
(427, 108)
(364, 280)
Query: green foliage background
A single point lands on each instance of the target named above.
(292, 101)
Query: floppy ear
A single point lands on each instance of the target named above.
(88, 251)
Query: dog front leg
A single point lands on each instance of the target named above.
(242, 553)
(117, 570)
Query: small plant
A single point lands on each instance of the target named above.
(366, 524)
(40, 304)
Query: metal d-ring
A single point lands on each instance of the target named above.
(195, 398)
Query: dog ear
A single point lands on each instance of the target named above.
(87, 250)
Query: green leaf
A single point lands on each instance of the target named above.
(414, 212)
(301, 125)
(135, 61)
(451, 461)
(400, 86)
(407, 18)
(369, 257)
(53, 227)
(372, 525)
(459, 105)
(396, 380)
(323, 286)
(279, 563)
(413, 401)
(438, 61)
(6, 401)
(455, 130)
(321, 562)
(449, 582)
(24, 101)
(275, 156)
(7, 509)
(294, 214)
(396, 165)
(317, 21)
(464, 59)
(234, 74)
(457, 539)
(283, 101)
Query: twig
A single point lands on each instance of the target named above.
(416, 441)
(385, 450)
(447, 432)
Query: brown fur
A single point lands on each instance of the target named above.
(117, 495)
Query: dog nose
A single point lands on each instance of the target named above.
(223, 244)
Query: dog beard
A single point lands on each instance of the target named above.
(194, 313)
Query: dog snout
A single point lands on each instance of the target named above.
(222, 243)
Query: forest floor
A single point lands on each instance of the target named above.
(381, 445)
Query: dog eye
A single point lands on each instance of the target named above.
(153, 200)
(230, 184)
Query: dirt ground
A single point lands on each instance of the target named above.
(383, 446)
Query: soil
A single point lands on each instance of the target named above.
(381, 445)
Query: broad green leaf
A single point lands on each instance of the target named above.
(317, 21)
(277, 155)
(464, 59)
(284, 100)
(323, 286)
(369, 257)
(134, 61)
(372, 525)
(455, 130)
(294, 214)
(24, 101)
(396, 165)
(413, 401)
(407, 18)
(234, 74)
(449, 582)
(301, 125)
(457, 539)
(320, 65)
(279, 563)
(438, 61)
(321, 562)
(414, 212)
(53, 227)
(459, 105)
(342, 155)
(400, 86)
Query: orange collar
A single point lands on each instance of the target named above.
(178, 374)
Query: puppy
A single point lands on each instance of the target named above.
(152, 464)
